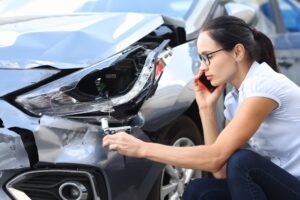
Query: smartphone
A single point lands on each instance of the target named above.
(206, 83)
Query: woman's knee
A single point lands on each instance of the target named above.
(205, 188)
(194, 189)
(240, 161)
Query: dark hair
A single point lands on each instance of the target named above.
(229, 31)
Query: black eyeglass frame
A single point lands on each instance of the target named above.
(205, 57)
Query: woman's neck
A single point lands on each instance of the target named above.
(242, 70)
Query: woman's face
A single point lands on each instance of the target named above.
(222, 66)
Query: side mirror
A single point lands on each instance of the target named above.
(242, 11)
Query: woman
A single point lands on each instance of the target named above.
(257, 155)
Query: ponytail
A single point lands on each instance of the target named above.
(265, 50)
(229, 31)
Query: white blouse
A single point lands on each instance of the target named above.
(278, 137)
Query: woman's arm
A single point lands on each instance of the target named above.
(206, 102)
(210, 133)
(212, 157)
(209, 125)
(221, 174)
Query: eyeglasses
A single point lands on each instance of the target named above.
(206, 57)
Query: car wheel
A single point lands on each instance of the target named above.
(172, 180)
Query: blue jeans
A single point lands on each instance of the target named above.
(249, 177)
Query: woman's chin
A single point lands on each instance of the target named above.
(213, 83)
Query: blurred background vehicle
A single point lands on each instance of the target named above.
(285, 16)
(72, 71)
(280, 20)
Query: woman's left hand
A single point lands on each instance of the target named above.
(221, 174)
(205, 98)
(124, 144)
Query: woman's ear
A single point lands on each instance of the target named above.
(239, 52)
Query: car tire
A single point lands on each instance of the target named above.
(172, 180)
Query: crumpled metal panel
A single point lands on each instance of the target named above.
(22, 78)
(12, 117)
(63, 140)
(70, 41)
(13, 154)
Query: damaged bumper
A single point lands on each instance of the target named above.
(63, 140)
(13, 154)
(75, 149)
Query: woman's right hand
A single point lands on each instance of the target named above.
(204, 98)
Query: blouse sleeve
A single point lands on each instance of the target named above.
(262, 87)
(230, 103)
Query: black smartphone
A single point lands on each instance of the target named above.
(206, 83)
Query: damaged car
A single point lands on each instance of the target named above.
(69, 78)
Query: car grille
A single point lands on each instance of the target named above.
(53, 185)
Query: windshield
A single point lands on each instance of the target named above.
(174, 8)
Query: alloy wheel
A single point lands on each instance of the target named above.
(174, 179)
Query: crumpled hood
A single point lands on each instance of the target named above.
(70, 41)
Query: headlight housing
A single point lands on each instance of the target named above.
(100, 87)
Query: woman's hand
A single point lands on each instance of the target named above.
(124, 144)
(205, 98)
(221, 174)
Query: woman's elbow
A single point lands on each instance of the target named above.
(216, 164)
(217, 161)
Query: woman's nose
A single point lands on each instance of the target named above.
(203, 66)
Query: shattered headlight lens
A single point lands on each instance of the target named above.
(133, 71)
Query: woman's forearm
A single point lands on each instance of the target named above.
(204, 157)
(209, 124)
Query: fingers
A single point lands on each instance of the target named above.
(197, 84)
(115, 141)
(109, 140)
(113, 147)
(124, 144)
(197, 76)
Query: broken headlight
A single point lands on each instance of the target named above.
(100, 87)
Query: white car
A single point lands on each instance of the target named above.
(72, 71)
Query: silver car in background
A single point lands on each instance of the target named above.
(72, 72)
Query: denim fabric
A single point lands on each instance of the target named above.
(249, 177)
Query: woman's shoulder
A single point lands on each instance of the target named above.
(262, 83)
(271, 82)
(270, 85)
(264, 78)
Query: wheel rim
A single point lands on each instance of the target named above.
(174, 179)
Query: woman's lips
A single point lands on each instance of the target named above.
(209, 77)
